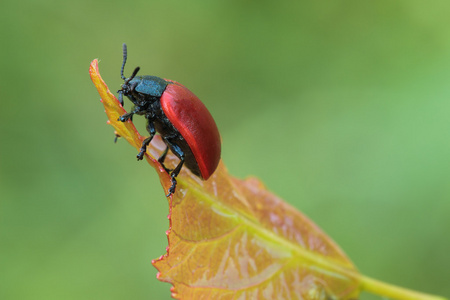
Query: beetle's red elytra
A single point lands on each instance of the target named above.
(194, 122)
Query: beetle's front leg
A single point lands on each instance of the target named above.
(129, 116)
(146, 142)
(120, 97)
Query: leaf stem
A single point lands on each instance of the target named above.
(393, 292)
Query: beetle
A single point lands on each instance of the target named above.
(181, 119)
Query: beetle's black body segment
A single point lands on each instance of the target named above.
(145, 93)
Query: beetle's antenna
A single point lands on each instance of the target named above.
(132, 75)
(123, 66)
(124, 60)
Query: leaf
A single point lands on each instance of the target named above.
(233, 239)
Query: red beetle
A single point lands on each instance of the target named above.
(182, 120)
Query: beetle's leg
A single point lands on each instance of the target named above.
(128, 116)
(162, 158)
(152, 131)
(178, 152)
(120, 97)
(164, 154)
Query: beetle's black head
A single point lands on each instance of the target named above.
(129, 86)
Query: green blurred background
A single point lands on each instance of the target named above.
(340, 107)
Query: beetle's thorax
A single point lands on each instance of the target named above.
(144, 90)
